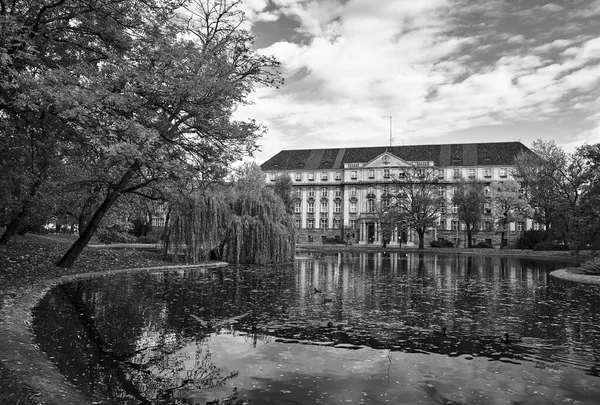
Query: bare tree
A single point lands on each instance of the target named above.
(469, 198)
(418, 201)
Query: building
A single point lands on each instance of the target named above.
(335, 189)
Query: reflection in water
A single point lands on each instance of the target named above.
(364, 327)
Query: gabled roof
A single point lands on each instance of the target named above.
(462, 154)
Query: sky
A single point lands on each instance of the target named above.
(446, 71)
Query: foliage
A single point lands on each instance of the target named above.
(531, 238)
(418, 200)
(592, 266)
(283, 188)
(509, 205)
(242, 223)
(389, 219)
(133, 94)
(470, 199)
(441, 243)
(550, 246)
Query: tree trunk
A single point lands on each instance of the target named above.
(77, 247)
(12, 228)
(469, 237)
(421, 233)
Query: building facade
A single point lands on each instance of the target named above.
(336, 191)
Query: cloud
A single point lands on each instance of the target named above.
(437, 67)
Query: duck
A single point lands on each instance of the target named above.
(316, 291)
(326, 300)
(509, 338)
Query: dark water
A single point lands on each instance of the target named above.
(395, 328)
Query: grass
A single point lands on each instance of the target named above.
(29, 260)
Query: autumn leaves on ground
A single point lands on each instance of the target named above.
(28, 260)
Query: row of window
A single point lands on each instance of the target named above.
(439, 173)
(324, 223)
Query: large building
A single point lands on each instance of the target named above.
(336, 190)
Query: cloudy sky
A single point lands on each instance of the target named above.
(446, 71)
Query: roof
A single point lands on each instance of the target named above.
(462, 154)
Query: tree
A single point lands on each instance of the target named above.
(148, 98)
(470, 199)
(586, 219)
(418, 200)
(552, 181)
(244, 222)
(509, 205)
(389, 219)
(283, 188)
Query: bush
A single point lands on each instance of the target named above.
(441, 243)
(112, 236)
(592, 266)
(550, 246)
(531, 238)
(153, 238)
(484, 245)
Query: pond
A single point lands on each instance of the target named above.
(330, 328)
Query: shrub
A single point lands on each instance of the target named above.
(113, 236)
(550, 246)
(531, 238)
(484, 245)
(441, 243)
(592, 266)
(152, 238)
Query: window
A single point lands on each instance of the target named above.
(353, 192)
(371, 191)
(298, 222)
(273, 176)
(338, 176)
(311, 176)
(298, 176)
(370, 205)
(311, 206)
(337, 206)
(386, 173)
(455, 208)
(454, 225)
(353, 223)
(324, 192)
(520, 226)
(471, 173)
(487, 172)
(420, 173)
(385, 202)
(536, 226)
(324, 206)
(440, 173)
(441, 191)
(353, 175)
(338, 192)
(487, 226)
(385, 160)
(442, 207)
(337, 223)
(456, 173)
(310, 224)
(297, 207)
(311, 192)
(487, 209)
(371, 173)
(324, 176)
(401, 173)
(299, 192)
(386, 190)
(503, 172)
(353, 206)
(323, 223)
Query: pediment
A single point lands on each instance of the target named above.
(387, 159)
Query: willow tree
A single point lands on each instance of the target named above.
(241, 223)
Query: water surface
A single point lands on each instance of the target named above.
(340, 328)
